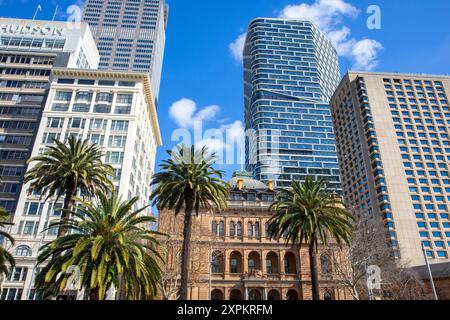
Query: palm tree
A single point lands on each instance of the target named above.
(308, 214)
(110, 243)
(64, 170)
(6, 259)
(189, 182)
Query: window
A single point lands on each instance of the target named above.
(50, 138)
(18, 274)
(11, 294)
(76, 123)
(114, 157)
(239, 230)
(96, 139)
(56, 123)
(232, 229)
(65, 96)
(98, 124)
(119, 125)
(54, 209)
(23, 251)
(214, 228)
(117, 141)
(33, 208)
(28, 228)
(222, 229)
(269, 266)
(233, 265)
(256, 230)
(250, 230)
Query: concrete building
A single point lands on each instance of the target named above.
(29, 49)
(130, 35)
(393, 138)
(232, 257)
(290, 73)
(114, 109)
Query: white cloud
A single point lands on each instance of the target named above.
(328, 15)
(184, 113)
(226, 139)
(235, 132)
(324, 13)
(237, 47)
(365, 54)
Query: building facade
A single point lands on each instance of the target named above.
(290, 73)
(28, 51)
(393, 138)
(232, 257)
(130, 35)
(113, 109)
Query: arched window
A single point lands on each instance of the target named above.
(269, 266)
(232, 229)
(266, 228)
(222, 229)
(23, 251)
(239, 230)
(328, 295)
(250, 230)
(257, 230)
(214, 228)
(272, 263)
(251, 265)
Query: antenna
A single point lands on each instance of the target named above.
(38, 9)
(54, 15)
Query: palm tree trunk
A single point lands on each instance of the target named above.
(93, 294)
(67, 207)
(313, 268)
(186, 249)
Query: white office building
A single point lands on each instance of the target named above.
(114, 109)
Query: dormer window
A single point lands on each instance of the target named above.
(251, 196)
(235, 196)
(268, 197)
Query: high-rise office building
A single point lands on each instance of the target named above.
(130, 35)
(113, 109)
(393, 138)
(290, 73)
(28, 51)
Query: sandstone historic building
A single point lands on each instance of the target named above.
(232, 257)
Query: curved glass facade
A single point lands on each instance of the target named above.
(290, 73)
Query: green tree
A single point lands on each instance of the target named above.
(188, 182)
(307, 214)
(110, 243)
(6, 259)
(64, 170)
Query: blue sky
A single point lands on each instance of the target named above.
(200, 70)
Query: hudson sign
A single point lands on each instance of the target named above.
(31, 30)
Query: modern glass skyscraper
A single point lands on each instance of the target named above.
(393, 141)
(130, 35)
(290, 73)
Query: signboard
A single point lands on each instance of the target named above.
(31, 30)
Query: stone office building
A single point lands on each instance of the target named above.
(232, 257)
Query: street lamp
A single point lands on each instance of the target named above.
(430, 274)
